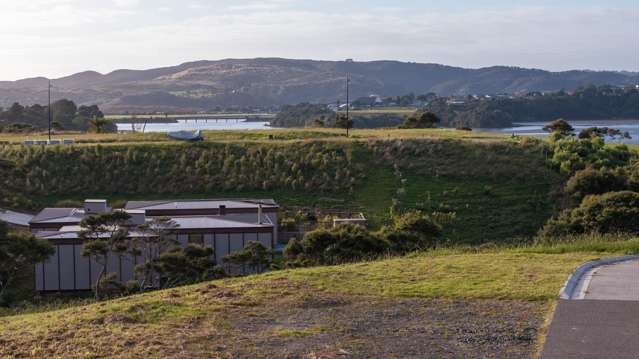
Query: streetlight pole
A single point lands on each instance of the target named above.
(348, 104)
(49, 108)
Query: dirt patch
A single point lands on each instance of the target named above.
(404, 328)
(291, 320)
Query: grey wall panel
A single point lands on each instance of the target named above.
(183, 239)
(128, 268)
(209, 241)
(236, 242)
(95, 270)
(113, 265)
(67, 267)
(39, 280)
(221, 246)
(249, 237)
(82, 280)
(265, 239)
(51, 277)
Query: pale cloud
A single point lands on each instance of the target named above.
(74, 35)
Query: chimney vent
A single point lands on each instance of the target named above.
(259, 214)
(95, 206)
(222, 210)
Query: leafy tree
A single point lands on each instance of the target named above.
(255, 255)
(105, 235)
(63, 111)
(15, 112)
(158, 234)
(179, 266)
(98, 124)
(18, 252)
(421, 119)
(90, 111)
(559, 128)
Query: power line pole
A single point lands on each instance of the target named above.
(49, 108)
(348, 104)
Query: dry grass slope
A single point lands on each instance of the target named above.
(443, 304)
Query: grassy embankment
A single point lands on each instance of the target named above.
(459, 303)
(498, 189)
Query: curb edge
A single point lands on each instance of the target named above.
(568, 290)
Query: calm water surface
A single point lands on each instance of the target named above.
(192, 125)
(536, 128)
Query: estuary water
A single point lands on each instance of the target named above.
(536, 128)
(194, 124)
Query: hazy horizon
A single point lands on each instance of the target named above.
(57, 38)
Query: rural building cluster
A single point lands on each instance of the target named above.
(224, 225)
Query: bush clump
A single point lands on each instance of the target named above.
(612, 212)
(409, 232)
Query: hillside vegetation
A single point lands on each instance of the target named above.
(586, 103)
(264, 82)
(499, 189)
(442, 304)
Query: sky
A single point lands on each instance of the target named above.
(55, 38)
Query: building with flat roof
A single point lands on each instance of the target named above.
(15, 220)
(224, 225)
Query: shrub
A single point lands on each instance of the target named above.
(570, 154)
(254, 254)
(421, 119)
(344, 243)
(595, 181)
(418, 223)
(612, 212)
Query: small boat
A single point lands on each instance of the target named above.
(186, 136)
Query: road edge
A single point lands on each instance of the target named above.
(568, 290)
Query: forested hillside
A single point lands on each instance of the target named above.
(268, 82)
(586, 103)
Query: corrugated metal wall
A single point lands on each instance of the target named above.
(68, 270)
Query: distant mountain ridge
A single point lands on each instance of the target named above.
(261, 82)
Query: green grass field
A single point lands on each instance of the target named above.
(293, 134)
(239, 317)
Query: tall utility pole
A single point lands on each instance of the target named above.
(49, 108)
(348, 103)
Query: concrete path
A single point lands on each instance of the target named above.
(602, 319)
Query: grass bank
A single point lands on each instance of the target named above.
(473, 303)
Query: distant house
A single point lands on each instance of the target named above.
(224, 225)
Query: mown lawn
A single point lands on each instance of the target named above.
(457, 303)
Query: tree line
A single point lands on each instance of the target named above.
(586, 103)
(65, 115)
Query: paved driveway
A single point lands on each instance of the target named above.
(604, 323)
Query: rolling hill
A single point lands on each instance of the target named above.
(261, 82)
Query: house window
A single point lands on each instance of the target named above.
(196, 239)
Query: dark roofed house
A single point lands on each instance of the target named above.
(224, 225)
(15, 220)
